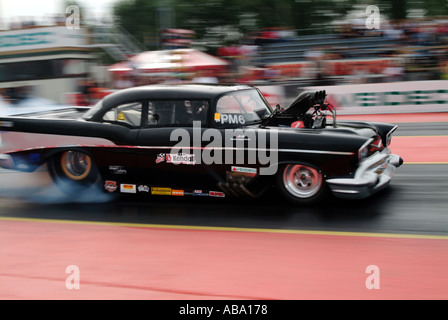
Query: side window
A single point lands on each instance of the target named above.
(199, 110)
(228, 104)
(239, 108)
(177, 112)
(128, 115)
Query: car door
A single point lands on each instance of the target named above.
(171, 146)
(247, 145)
(117, 163)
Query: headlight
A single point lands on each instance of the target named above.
(364, 150)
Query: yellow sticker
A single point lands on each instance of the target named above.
(161, 191)
(217, 116)
(121, 116)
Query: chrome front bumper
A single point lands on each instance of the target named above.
(373, 174)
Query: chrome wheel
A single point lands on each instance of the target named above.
(302, 181)
(76, 165)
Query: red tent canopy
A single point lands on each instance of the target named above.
(170, 60)
(120, 67)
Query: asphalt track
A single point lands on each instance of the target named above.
(131, 248)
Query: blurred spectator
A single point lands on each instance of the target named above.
(393, 32)
(29, 22)
(419, 42)
(14, 25)
(205, 76)
(248, 53)
(95, 93)
(59, 20)
(360, 75)
(15, 95)
(444, 69)
(394, 72)
(123, 82)
(83, 89)
(316, 70)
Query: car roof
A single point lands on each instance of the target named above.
(171, 91)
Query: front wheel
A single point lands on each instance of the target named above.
(301, 184)
(73, 171)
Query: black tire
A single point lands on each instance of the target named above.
(73, 171)
(301, 184)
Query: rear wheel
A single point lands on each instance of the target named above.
(301, 184)
(73, 171)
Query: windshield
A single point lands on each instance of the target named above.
(242, 107)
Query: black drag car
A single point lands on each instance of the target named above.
(202, 140)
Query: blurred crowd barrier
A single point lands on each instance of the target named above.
(401, 51)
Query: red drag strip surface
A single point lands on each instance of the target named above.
(125, 262)
(398, 117)
(130, 262)
(421, 149)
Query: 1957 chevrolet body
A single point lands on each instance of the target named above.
(203, 140)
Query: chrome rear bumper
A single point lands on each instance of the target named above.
(372, 175)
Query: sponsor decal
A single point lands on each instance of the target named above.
(232, 118)
(216, 194)
(110, 186)
(240, 137)
(180, 158)
(128, 188)
(217, 117)
(143, 188)
(177, 192)
(160, 157)
(176, 158)
(238, 177)
(200, 193)
(161, 191)
(117, 170)
(249, 171)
